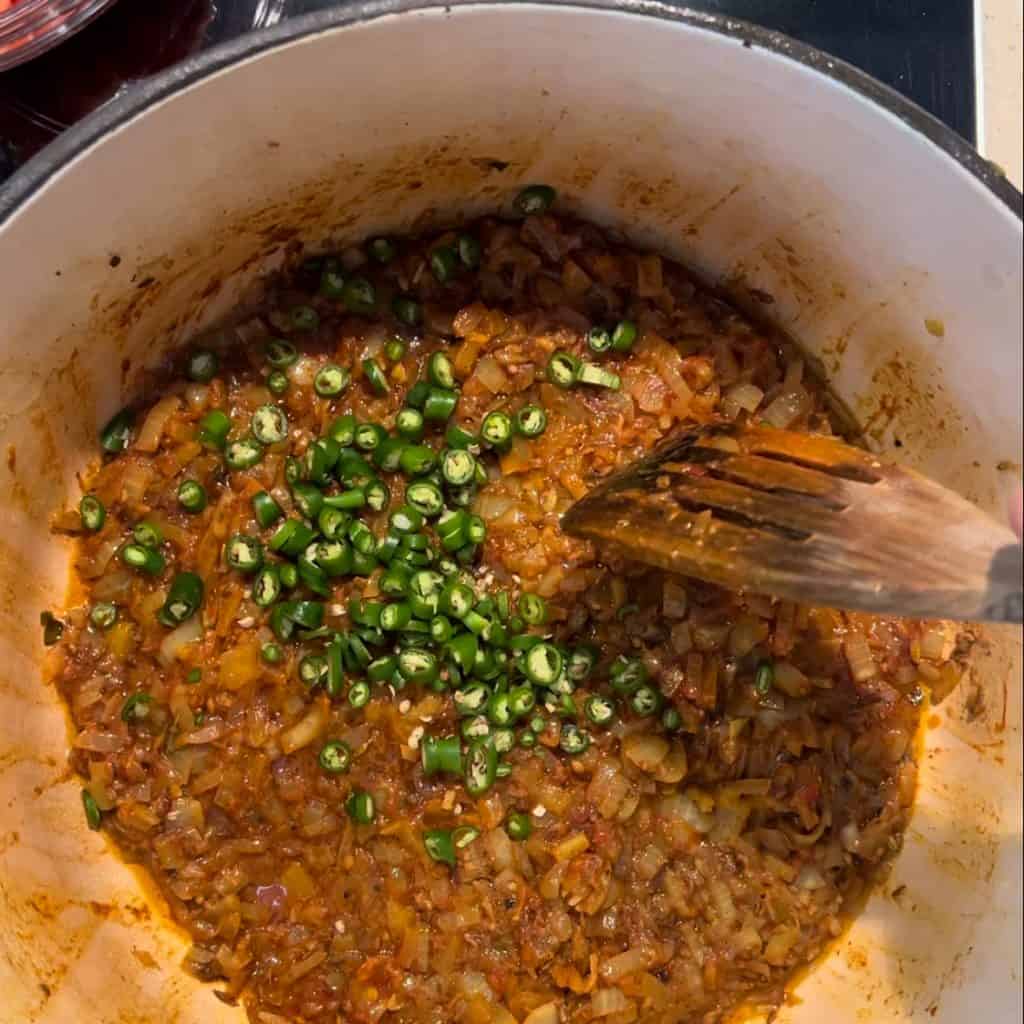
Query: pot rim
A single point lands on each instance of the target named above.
(41, 168)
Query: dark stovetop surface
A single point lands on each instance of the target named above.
(923, 48)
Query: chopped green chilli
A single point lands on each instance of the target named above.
(335, 757)
(382, 249)
(599, 340)
(469, 251)
(409, 423)
(103, 614)
(598, 376)
(671, 720)
(531, 421)
(627, 674)
(458, 467)
(361, 807)
(304, 318)
(481, 766)
(533, 609)
(535, 199)
(441, 755)
(440, 404)
(92, 513)
(600, 710)
(764, 679)
(136, 708)
(183, 599)
(264, 508)
(244, 553)
(407, 310)
(313, 670)
(581, 664)
(465, 835)
(496, 429)
(369, 436)
(440, 371)
(277, 382)
(266, 587)
(243, 453)
(359, 295)
(444, 262)
(332, 284)
(440, 846)
(117, 432)
(269, 424)
(359, 693)
(93, 815)
(518, 826)
(624, 336)
(202, 366)
(281, 353)
(645, 701)
(375, 376)
(563, 369)
(143, 559)
(214, 428)
(330, 380)
(425, 497)
(192, 496)
(148, 534)
(573, 740)
(542, 664)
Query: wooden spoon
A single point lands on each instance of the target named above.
(807, 518)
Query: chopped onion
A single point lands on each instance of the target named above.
(810, 879)
(113, 586)
(859, 658)
(650, 862)
(934, 642)
(785, 410)
(499, 846)
(794, 375)
(471, 983)
(184, 814)
(648, 276)
(489, 373)
(196, 395)
(742, 397)
(673, 599)
(155, 422)
(670, 366)
(546, 1014)
(173, 645)
(619, 966)
(606, 1001)
(99, 740)
(790, 680)
(537, 232)
(305, 730)
(679, 807)
(849, 836)
(645, 750)
(95, 566)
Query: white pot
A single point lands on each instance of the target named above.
(758, 160)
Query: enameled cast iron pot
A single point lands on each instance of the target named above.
(763, 163)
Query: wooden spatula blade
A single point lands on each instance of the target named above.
(811, 519)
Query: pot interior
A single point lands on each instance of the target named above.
(882, 255)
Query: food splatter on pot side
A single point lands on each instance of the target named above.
(392, 746)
